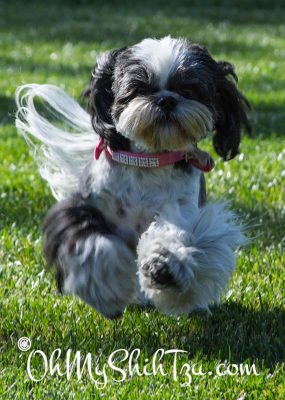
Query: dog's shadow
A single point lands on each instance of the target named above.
(232, 330)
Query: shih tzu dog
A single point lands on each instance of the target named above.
(132, 223)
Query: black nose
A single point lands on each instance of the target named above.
(167, 103)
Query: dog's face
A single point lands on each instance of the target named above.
(165, 95)
(162, 95)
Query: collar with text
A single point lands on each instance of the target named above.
(151, 160)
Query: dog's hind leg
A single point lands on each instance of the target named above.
(93, 259)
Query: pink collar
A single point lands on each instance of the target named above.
(150, 160)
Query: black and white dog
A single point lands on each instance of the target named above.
(132, 223)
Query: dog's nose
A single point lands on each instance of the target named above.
(167, 103)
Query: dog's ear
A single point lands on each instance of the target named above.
(100, 99)
(232, 107)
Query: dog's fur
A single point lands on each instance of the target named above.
(128, 234)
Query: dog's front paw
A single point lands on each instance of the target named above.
(162, 270)
(157, 269)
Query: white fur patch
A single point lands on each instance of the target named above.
(163, 56)
(62, 154)
(138, 123)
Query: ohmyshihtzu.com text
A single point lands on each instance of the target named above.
(122, 365)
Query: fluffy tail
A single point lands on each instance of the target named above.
(61, 148)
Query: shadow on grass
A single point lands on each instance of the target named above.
(248, 333)
(70, 19)
(112, 22)
(232, 332)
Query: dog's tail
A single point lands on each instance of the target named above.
(62, 141)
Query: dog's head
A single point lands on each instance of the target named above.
(166, 95)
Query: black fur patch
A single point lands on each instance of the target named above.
(232, 108)
(214, 85)
(100, 99)
(184, 165)
(121, 212)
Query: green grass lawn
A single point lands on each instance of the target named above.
(57, 42)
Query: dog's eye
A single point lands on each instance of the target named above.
(141, 90)
(188, 93)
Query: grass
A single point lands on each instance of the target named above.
(57, 42)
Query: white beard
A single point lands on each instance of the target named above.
(190, 123)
